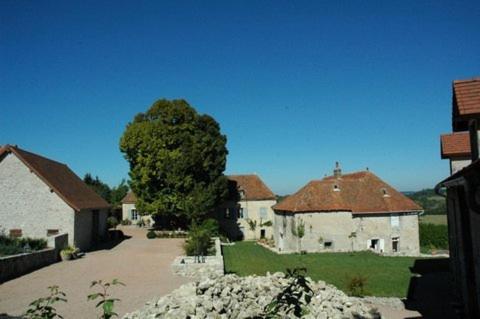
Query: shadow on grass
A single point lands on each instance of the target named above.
(430, 289)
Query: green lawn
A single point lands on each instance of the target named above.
(386, 276)
(434, 219)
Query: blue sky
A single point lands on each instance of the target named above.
(295, 86)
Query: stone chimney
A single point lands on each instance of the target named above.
(337, 172)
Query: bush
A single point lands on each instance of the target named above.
(199, 240)
(151, 234)
(112, 222)
(12, 246)
(433, 236)
(126, 222)
(356, 286)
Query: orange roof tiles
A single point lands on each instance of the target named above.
(467, 96)
(253, 187)
(130, 198)
(455, 144)
(59, 178)
(360, 193)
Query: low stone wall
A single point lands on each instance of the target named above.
(188, 266)
(17, 265)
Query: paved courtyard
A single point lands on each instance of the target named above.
(142, 264)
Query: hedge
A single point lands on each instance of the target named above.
(434, 236)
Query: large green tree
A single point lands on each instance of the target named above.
(177, 158)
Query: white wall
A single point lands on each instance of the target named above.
(27, 203)
(457, 164)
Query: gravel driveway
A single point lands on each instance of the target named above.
(142, 264)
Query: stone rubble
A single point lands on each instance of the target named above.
(231, 296)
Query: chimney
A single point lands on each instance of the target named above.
(337, 172)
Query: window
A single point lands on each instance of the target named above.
(15, 233)
(373, 244)
(134, 214)
(328, 245)
(262, 233)
(263, 212)
(52, 232)
(395, 244)
(395, 220)
(336, 188)
(240, 212)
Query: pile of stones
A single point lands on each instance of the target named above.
(231, 296)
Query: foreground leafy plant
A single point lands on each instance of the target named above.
(106, 302)
(42, 308)
(293, 298)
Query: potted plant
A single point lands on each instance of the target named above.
(68, 253)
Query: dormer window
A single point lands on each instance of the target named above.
(336, 188)
(385, 193)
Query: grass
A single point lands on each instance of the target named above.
(434, 219)
(386, 276)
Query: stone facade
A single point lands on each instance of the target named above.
(233, 216)
(128, 212)
(344, 231)
(27, 203)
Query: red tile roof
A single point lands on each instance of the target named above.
(359, 193)
(455, 144)
(130, 198)
(59, 178)
(253, 187)
(467, 96)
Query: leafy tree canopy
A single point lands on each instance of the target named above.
(177, 158)
(112, 195)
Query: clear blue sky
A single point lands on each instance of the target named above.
(295, 86)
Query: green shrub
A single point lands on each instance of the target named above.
(112, 222)
(199, 240)
(43, 308)
(356, 286)
(106, 302)
(151, 234)
(126, 222)
(433, 236)
(12, 246)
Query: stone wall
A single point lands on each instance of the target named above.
(187, 266)
(17, 265)
(27, 203)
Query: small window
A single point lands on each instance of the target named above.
(328, 244)
(52, 232)
(15, 233)
(240, 212)
(395, 221)
(395, 244)
(263, 212)
(336, 188)
(134, 214)
(385, 193)
(226, 213)
(262, 233)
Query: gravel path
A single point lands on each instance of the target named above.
(142, 264)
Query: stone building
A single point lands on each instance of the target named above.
(250, 201)
(40, 197)
(130, 212)
(455, 146)
(351, 212)
(463, 206)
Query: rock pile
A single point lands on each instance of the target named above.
(231, 296)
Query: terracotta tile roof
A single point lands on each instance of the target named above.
(360, 192)
(467, 96)
(455, 144)
(130, 198)
(60, 179)
(253, 186)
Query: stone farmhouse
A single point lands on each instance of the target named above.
(465, 107)
(41, 197)
(351, 212)
(250, 200)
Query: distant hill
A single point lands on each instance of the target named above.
(432, 203)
